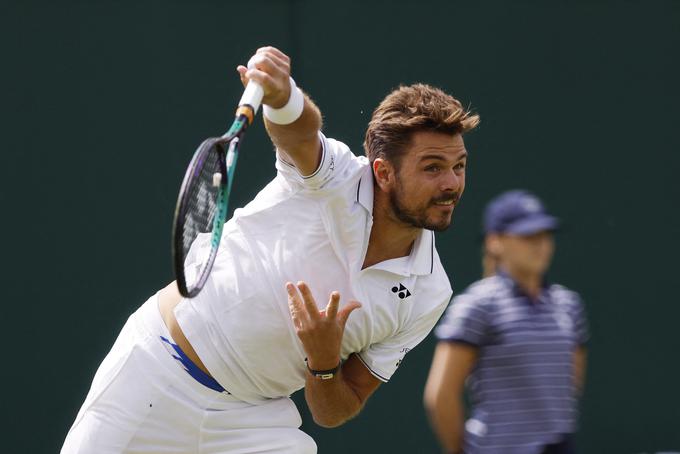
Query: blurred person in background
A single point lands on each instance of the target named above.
(489, 262)
(515, 341)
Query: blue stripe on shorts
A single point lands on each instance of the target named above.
(193, 370)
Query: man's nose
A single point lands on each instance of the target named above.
(451, 182)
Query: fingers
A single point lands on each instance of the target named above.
(296, 307)
(271, 69)
(303, 308)
(242, 70)
(269, 63)
(343, 315)
(333, 304)
(267, 59)
(274, 51)
(258, 76)
(308, 300)
(283, 65)
(261, 77)
(265, 63)
(265, 71)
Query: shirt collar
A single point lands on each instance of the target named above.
(365, 190)
(422, 253)
(518, 291)
(421, 259)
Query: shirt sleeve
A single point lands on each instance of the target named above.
(581, 329)
(337, 161)
(383, 358)
(465, 321)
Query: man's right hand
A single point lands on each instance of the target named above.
(297, 142)
(271, 69)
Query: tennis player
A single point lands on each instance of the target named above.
(213, 374)
(515, 340)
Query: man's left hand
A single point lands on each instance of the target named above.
(320, 331)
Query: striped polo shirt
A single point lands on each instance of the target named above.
(521, 388)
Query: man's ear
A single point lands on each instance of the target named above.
(384, 173)
(493, 245)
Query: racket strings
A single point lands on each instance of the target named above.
(202, 199)
(201, 209)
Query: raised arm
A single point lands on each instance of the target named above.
(298, 141)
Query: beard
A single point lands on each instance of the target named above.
(417, 217)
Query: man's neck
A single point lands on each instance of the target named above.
(530, 283)
(390, 238)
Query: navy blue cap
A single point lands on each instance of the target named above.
(518, 212)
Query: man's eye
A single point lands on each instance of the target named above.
(460, 166)
(432, 168)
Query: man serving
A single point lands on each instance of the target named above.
(213, 373)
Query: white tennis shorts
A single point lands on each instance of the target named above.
(143, 401)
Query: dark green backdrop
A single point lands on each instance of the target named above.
(103, 103)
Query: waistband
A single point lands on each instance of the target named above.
(192, 369)
(149, 318)
(235, 380)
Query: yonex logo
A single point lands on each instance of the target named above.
(401, 291)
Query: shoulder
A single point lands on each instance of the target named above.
(484, 292)
(488, 285)
(563, 296)
(432, 281)
(337, 167)
(478, 299)
(471, 313)
(481, 299)
(341, 164)
(438, 278)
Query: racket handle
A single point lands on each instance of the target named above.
(252, 97)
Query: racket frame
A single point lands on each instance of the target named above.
(227, 165)
(245, 115)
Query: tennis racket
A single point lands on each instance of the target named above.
(203, 198)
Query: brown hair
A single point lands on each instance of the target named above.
(409, 109)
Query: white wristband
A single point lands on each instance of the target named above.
(291, 111)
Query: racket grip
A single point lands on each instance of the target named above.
(252, 96)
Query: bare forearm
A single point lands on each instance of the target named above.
(299, 141)
(342, 392)
(447, 418)
(451, 364)
(332, 402)
(580, 358)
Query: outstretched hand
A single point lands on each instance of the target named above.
(320, 331)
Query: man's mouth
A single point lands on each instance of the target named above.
(448, 200)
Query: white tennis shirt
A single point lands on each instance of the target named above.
(314, 229)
